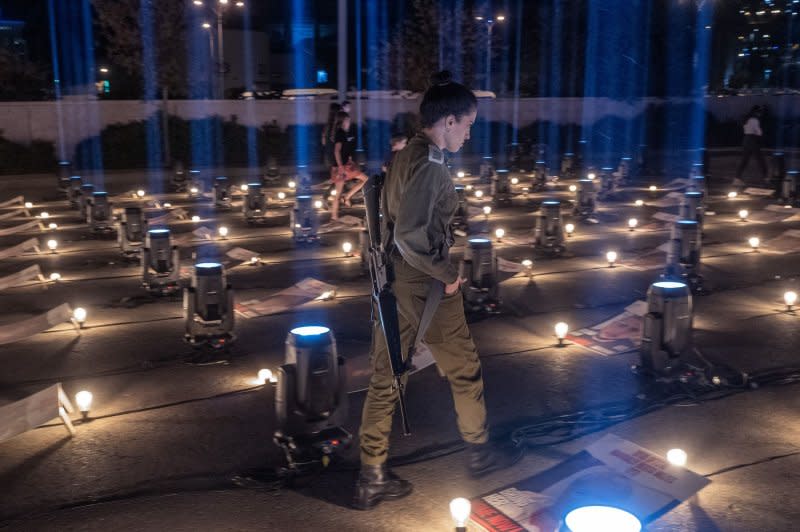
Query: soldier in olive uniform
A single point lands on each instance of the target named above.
(418, 203)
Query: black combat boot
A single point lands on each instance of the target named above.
(485, 458)
(375, 483)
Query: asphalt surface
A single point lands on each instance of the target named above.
(173, 445)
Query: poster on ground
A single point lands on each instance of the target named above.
(610, 472)
(298, 294)
(620, 334)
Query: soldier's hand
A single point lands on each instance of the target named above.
(450, 289)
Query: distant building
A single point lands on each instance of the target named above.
(11, 37)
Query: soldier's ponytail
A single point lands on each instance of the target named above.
(445, 97)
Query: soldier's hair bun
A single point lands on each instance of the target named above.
(442, 78)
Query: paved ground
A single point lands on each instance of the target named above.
(169, 438)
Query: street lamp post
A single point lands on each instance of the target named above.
(489, 23)
(218, 10)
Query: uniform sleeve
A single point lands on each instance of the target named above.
(414, 216)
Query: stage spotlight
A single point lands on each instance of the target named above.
(98, 212)
(222, 197)
(52, 245)
(601, 519)
(160, 262)
(667, 330)
(83, 400)
(460, 510)
(548, 233)
(677, 457)
(586, 198)
(611, 257)
(131, 231)
(754, 242)
(479, 268)
(499, 233)
(79, 315)
(311, 397)
(208, 306)
(254, 205)
(632, 223)
(303, 219)
(790, 298)
(743, 214)
(561, 330)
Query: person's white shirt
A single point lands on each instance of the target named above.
(752, 126)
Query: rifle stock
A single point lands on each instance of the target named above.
(382, 294)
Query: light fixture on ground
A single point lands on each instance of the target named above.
(131, 231)
(208, 306)
(318, 204)
(692, 207)
(160, 262)
(611, 257)
(548, 233)
(754, 242)
(683, 253)
(743, 214)
(601, 519)
(653, 188)
(586, 198)
(561, 329)
(732, 194)
(223, 232)
(499, 233)
(243, 187)
(282, 195)
(790, 298)
(677, 457)
(667, 329)
(638, 202)
(569, 228)
(460, 510)
(515, 181)
(254, 205)
(86, 191)
(140, 193)
(311, 397)
(44, 215)
(195, 218)
(479, 194)
(264, 376)
(632, 223)
(528, 265)
(573, 188)
(479, 268)
(460, 174)
(347, 247)
(304, 219)
(501, 187)
(28, 205)
(222, 196)
(591, 176)
(83, 400)
(55, 276)
(292, 185)
(487, 210)
(52, 245)
(52, 226)
(79, 315)
(539, 175)
(98, 212)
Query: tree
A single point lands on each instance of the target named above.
(412, 53)
(120, 24)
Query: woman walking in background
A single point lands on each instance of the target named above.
(751, 145)
(344, 168)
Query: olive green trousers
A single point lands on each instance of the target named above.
(452, 347)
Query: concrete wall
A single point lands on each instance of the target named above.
(79, 119)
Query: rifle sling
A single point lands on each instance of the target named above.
(435, 293)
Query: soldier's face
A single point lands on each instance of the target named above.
(457, 130)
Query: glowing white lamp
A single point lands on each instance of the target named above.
(479, 194)
(638, 202)
(282, 195)
(754, 242)
(460, 509)
(55, 276)
(743, 214)
(28, 205)
(292, 184)
(52, 245)
(264, 376)
(632, 223)
(677, 457)
(140, 193)
(194, 190)
(318, 204)
(561, 329)
(528, 265)
(605, 518)
(460, 174)
(243, 188)
(611, 257)
(468, 187)
(79, 315)
(514, 180)
(569, 228)
(347, 247)
(195, 218)
(167, 205)
(590, 176)
(499, 233)
(573, 188)
(52, 225)
(732, 194)
(487, 210)
(44, 215)
(83, 400)
(223, 231)
(653, 188)
(333, 192)
(790, 298)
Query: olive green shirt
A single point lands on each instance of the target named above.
(419, 200)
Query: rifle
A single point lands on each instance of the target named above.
(385, 300)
